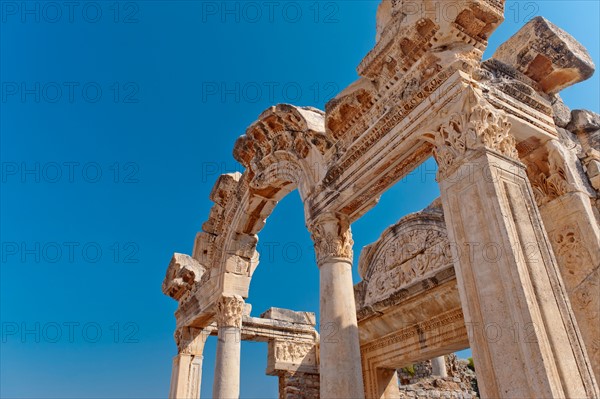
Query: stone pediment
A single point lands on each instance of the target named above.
(409, 252)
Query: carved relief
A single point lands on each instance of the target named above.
(182, 274)
(229, 311)
(332, 237)
(281, 133)
(481, 127)
(294, 352)
(548, 175)
(574, 258)
(407, 252)
(190, 340)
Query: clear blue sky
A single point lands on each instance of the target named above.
(108, 172)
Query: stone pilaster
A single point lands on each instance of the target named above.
(522, 329)
(186, 376)
(227, 367)
(340, 368)
(568, 216)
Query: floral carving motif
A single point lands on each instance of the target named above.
(332, 237)
(482, 127)
(570, 251)
(229, 311)
(190, 340)
(553, 183)
(410, 256)
(289, 351)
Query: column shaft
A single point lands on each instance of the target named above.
(227, 367)
(341, 375)
(340, 368)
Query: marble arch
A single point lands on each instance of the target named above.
(517, 171)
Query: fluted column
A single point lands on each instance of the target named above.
(340, 368)
(186, 377)
(522, 329)
(227, 367)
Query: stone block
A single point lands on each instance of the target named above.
(291, 316)
(584, 121)
(547, 54)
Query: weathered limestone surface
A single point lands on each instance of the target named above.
(566, 206)
(513, 254)
(408, 303)
(493, 288)
(341, 374)
(586, 125)
(227, 367)
(547, 54)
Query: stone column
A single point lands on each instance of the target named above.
(186, 376)
(227, 367)
(522, 329)
(340, 367)
(568, 215)
(438, 366)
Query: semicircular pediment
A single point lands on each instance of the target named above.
(410, 251)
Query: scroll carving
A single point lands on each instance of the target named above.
(229, 311)
(332, 237)
(549, 181)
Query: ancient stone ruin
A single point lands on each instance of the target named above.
(505, 262)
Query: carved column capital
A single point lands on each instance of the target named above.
(332, 237)
(190, 340)
(549, 173)
(230, 309)
(478, 127)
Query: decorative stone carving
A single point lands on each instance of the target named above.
(547, 54)
(424, 75)
(183, 272)
(480, 126)
(229, 311)
(409, 251)
(586, 125)
(332, 237)
(277, 147)
(548, 176)
(291, 352)
(190, 341)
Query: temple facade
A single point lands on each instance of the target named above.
(506, 262)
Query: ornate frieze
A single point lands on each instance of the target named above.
(332, 237)
(230, 309)
(294, 352)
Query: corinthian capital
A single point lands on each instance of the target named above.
(190, 340)
(478, 126)
(229, 311)
(332, 237)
